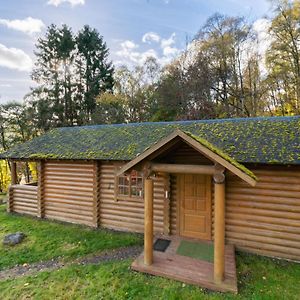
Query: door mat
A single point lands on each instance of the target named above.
(199, 250)
(161, 245)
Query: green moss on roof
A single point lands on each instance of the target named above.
(246, 140)
(219, 152)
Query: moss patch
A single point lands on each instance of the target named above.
(248, 140)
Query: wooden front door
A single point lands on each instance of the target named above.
(195, 206)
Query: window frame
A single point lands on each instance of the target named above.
(130, 196)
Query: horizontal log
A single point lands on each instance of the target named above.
(263, 212)
(21, 208)
(232, 197)
(84, 199)
(26, 200)
(69, 192)
(269, 186)
(260, 225)
(269, 253)
(267, 206)
(67, 210)
(69, 220)
(258, 192)
(261, 245)
(64, 205)
(23, 212)
(261, 233)
(25, 204)
(263, 219)
(181, 169)
(69, 215)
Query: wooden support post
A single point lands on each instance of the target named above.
(13, 171)
(148, 233)
(40, 193)
(13, 181)
(96, 194)
(219, 240)
(10, 199)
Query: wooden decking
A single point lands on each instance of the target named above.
(189, 270)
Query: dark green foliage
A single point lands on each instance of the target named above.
(71, 70)
(249, 140)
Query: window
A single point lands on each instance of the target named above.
(130, 185)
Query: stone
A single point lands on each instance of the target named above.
(13, 238)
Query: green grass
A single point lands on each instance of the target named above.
(46, 240)
(259, 278)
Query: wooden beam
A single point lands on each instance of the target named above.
(148, 230)
(13, 171)
(182, 169)
(40, 193)
(219, 239)
(148, 152)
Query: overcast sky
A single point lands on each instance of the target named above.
(133, 29)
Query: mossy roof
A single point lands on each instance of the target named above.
(273, 140)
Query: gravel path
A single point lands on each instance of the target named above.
(54, 264)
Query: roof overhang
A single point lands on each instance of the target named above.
(202, 146)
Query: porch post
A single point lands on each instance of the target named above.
(219, 239)
(13, 180)
(13, 171)
(148, 234)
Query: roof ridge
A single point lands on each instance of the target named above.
(272, 118)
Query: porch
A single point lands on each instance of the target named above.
(201, 166)
(190, 270)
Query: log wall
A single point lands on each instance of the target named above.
(68, 192)
(23, 199)
(127, 214)
(265, 219)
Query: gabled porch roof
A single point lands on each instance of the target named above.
(201, 145)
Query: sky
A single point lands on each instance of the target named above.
(132, 29)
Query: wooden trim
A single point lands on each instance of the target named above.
(146, 153)
(197, 146)
(148, 234)
(167, 203)
(181, 169)
(40, 192)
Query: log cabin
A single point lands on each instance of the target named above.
(216, 185)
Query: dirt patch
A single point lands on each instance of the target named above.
(54, 264)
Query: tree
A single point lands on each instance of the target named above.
(110, 109)
(224, 43)
(138, 87)
(94, 69)
(71, 71)
(283, 58)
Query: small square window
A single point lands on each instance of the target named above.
(130, 185)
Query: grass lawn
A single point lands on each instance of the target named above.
(260, 278)
(46, 240)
